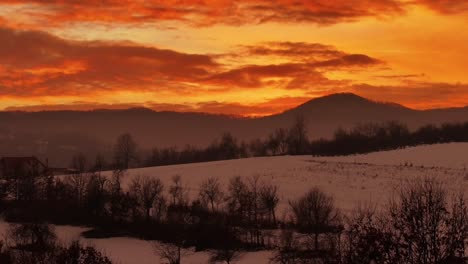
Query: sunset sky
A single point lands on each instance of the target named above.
(248, 58)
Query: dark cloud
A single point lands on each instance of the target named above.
(417, 94)
(37, 63)
(293, 75)
(300, 51)
(401, 76)
(352, 60)
(445, 6)
(57, 12)
(253, 76)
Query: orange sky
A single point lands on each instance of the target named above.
(254, 57)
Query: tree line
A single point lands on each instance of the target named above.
(295, 140)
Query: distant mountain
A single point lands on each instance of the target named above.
(58, 134)
(325, 114)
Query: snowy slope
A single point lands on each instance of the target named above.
(451, 155)
(351, 179)
(370, 178)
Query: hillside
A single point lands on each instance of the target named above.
(350, 182)
(352, 179)
(59, 134)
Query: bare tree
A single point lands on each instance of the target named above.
(118, 202)
(211, 193)
(171, 253)
(79, 163)
(178, 192)
(125, 151)
(147, 191)
(254, 209)
(96, 194)
(78, 180)
(425, 228)
(174, 252)
(33, 240)
(99, 164)
(269, 200)
(287, 249)
(366, 239)
(226, 255)
(236, 200)
(297, 137)
(457, 233)
(315, 213)
(278, 141)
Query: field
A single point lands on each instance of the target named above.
(352, 180)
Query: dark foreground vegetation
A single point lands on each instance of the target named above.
(423, 224)
(36, 243)
(363, 138)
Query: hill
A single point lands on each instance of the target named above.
(59, 134)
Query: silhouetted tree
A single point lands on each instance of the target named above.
(228, 253)
(172, 253)
(297, 137)
(269, 200)
(228, 148)
(211, 193)
(125, 151)
(366, 239)
(96, 194)
(147, 191)
(424, 229)
(100, 164)
(315, 213)
(178, 192)
(237, 198)
(287, 250)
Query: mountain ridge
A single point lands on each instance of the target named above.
(59, 134)
(340, 97)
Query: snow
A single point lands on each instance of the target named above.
(125, 250)
(352, 180)
(450, 155)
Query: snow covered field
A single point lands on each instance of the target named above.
(370, 178)
(450, 155)
(350, 179)
(125, 250)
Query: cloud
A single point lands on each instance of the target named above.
(209, 12)
(401, 76)
(446, 7)
(293, 75)
(60, 13)
(297, 51)
(37, 63)
(353, 60)
(253, 76)
(420, 95)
